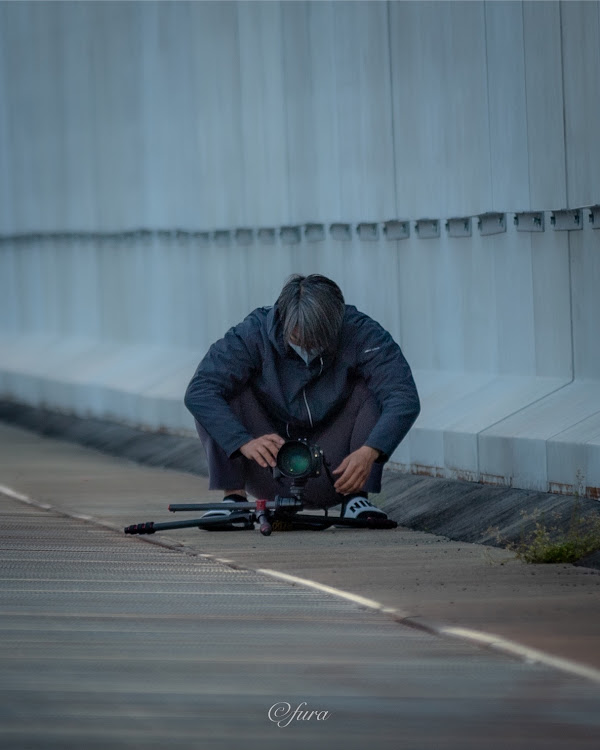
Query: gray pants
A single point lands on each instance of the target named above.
(346, 432)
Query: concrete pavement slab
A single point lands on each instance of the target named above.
(551, 607)
(108, 641)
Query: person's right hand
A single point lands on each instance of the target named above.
(263, 449)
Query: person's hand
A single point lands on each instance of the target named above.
(355, 470)
(263, 449)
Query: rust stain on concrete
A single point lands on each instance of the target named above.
(428, 471)
(496, 479)
(560, 488)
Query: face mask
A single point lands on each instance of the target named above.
(306, 356)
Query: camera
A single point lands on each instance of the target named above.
(300, 460)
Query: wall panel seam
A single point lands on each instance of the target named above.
(489, 120)
(394, 162)
(567, 198)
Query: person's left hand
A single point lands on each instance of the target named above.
(355, 470)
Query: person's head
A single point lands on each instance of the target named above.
(311, 309)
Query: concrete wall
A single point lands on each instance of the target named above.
(213, 117)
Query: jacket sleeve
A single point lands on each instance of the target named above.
(382, 365)
(227, 366)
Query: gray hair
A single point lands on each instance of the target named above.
(311, 309)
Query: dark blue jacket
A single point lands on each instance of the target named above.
(298, 394)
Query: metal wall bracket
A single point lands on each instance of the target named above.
(367, 232)
(567, 220)
(290, 235)
(201, 238)
(341, 232)
(181, 235)
(532, 221)
(314, 232)
(266, 236)
(595, 216)
(427, 229)
(459, 227)
(164, 235)
(143, 236)
(223, 237)
(396, 230)
(244, 236)
(491, 223)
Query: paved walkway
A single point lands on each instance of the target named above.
(113, 642)
(109, 639)
(555, 608)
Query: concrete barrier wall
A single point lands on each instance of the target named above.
(281, 137)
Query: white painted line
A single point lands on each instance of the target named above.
(370, 603)
(475, 636)
(525, 652)
(16, 495)
(9, 492)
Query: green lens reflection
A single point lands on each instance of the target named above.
(296, 460)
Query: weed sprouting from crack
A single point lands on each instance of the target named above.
(551, 542)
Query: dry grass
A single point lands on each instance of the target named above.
(553, 543)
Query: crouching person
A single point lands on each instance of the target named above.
(309, 367)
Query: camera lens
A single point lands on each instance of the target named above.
(294, 459)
